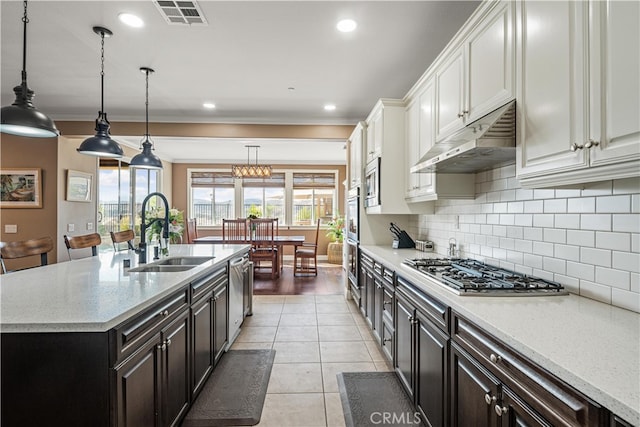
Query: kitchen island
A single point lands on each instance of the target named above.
(591, 346)
(90, 342)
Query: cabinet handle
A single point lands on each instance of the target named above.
(386, 340)
(410, 319)
(162, 346)
(494, 358)
(591, 143)
(379, 286)
(386, 303)
(164, 313)
(489, 399)
(500, 410)
(168, 342)
(461, 115)
(576, 147)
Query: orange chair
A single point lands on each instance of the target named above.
(234, 230)
(191, 230)
(121, 237)
(92, 241)
(25, 248)
(307, 254)
(263, 246)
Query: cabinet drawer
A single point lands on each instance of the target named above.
(366, 262)
(387, 306)
(436, 311)
(555, 400)
(205, 284)
(387, 277)
(387, 340)
(135, 332)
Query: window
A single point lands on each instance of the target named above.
(212, 197)
(294, 197)
(314, 196)
(264, 197)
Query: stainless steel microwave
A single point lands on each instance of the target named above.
(372, 183)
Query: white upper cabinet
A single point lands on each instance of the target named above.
(374, 136)
(577, 67)
(355, 155)
(478, 76)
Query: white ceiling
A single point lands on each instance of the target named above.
(244, 61)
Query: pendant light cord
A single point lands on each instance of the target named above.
(102, 74)
(25, 20)
(147, 103)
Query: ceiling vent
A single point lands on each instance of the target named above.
(181, 12)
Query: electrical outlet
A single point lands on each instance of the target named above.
(11, 228)
(71, 227)
(89, 226)
(456, 222)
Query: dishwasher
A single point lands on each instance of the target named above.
(240, 294)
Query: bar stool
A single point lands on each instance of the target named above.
(92, 241)
(121, 237)
(25, 248)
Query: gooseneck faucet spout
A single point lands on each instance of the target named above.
(142, 247)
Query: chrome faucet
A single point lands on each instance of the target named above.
(142, 246)
(452, 251)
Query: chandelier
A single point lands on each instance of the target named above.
(251, 170)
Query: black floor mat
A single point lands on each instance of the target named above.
(375, 399)
(235, 392)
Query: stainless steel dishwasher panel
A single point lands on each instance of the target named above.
(237, 272)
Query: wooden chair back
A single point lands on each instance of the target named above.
(305, 259)
(121, 237)
(191, 230)
(92, 241)
(263, 231)
(234, 229)
(25, 248)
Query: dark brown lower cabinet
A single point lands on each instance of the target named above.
(221, 320)
(202, 316)
(152, 385)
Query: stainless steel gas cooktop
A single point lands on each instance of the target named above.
(471, 277)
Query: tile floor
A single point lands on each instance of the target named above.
(315, 337)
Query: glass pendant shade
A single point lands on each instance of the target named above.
(101, 144)
(22, 118)
(146, 159)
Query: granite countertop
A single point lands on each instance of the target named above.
(594, 347)
(95, 294)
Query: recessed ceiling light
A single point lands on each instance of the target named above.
(346, 25)
(131, 20)
(209, 105)
(329, 107)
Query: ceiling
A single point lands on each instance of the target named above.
(245, 60)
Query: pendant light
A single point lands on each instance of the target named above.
(101, 144)
(251, 170)
(146, 159)
(22, 118)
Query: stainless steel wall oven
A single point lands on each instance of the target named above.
(352, 241)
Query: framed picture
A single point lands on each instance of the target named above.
(79, 186)
(21, 188)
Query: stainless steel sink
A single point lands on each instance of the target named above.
(155, 268)
(186, 260)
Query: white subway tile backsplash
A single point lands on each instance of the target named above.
(543, 220)
(534, 206)
(567, 192)
(493, 196)
(580, 270)
(542, 248)
(554, 265)
(628, 261)
(618, 241)
(500, 208)
(499, 254)
(493, 218)
(582, 205)
(524, 194)
(525, 220)
(570, 284)
(635, 243)
(635, 203)
(626, 223)
(554, 235)
(603, 188)
(595, 291)
(613, 204)
(499, 230)
(626, 186)
(567, 220)
(625, 299)
(600, 222)
(581, 238)
(525, 246)
(507, 243)
(507, 219)
(508, 195)
(523, 269)
(595, 256)
(532, 233)
(635, 282)
(515, 207)
(555, 206)
(543, 194)
(532, 261)
(515, 257)
(614, 278)
(515, 232)
(486, 229)
(543, 274)
(567, 252)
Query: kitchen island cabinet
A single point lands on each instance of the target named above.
(100, 345)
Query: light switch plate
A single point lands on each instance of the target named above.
(89, 226)
(71, 227)
(10, 228)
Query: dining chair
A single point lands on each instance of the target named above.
(92, 241)
(263, 245)
(25, 248)
(234, 230)
(307, 255)
(191, 230)
(121, 237)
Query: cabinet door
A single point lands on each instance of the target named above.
(355, 156)
(371, 298)
(491, 63)
(450, 89)
(202, 338)
(404, 343)
(375, 134)
(175, 370)
(427, 135)
(431, 371)
(378, 310)
(138, 387)
(551, 88)
(516, 413)
(474, 392)
(220, 335)
(412, 149)
(614, 82)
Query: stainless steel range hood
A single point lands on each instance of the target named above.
(484, 144)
